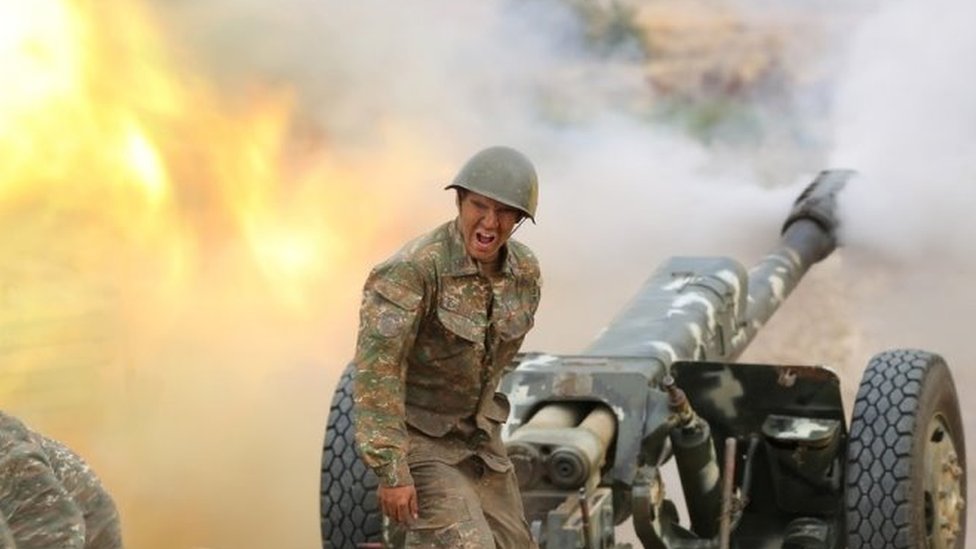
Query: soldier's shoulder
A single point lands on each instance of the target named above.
(10, 426)
(65, 462)
(14, 435)
(525, 260)
(415, 265)
(421, 254)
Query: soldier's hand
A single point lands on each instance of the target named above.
(399, 503)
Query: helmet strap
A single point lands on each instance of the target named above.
(517, 226)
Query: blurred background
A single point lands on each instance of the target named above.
(192, 193)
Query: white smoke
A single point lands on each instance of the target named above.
(906, 119)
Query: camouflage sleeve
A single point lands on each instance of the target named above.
(6, 536)
(536, 295)
(102, 528)
(39, 511)
(534, 277)
(389, 320)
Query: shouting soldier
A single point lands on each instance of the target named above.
(440, 323)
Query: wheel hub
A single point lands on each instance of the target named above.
(945, 505)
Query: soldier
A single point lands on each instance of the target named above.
(440, 323)
(49, 497)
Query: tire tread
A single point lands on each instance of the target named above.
(349, 511)
(879, 502)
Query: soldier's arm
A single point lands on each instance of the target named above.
(389, 320)
(38, 510)
(6, 536)
(102, 527)
(537, 287)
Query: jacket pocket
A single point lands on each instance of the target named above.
(462, 308)
(462, 326)
(429, 423)
(514, 326)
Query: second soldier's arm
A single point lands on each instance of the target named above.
(6, 536)
(102, 527)
(38, 510)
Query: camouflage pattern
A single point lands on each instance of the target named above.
(102, 528)
(435, 338)
(6, 536)
(467, 506)
(49, 497)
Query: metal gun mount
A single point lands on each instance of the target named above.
(589, 433)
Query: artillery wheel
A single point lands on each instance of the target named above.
(906, 460)
(349, 510)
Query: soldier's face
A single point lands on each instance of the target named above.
(486, 225)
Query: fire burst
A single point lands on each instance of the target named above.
(96, 120)
(147, 226)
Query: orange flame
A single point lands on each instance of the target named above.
(96, 118)
(131, 193)
(166, 253)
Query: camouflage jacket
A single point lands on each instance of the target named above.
(6, 536)
(49, 497)
(435, 338)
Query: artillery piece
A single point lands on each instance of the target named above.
(763, 452)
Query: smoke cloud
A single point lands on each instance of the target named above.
(904, 120)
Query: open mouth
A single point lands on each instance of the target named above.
(484, 240)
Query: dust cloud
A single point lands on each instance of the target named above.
(209, 423)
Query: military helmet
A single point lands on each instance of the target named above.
(502, 174)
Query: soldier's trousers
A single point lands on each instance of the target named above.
(467, 506)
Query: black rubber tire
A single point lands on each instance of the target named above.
(349, 510)
(906, 408)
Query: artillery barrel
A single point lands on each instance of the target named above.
(710, 308)
(809, 235)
